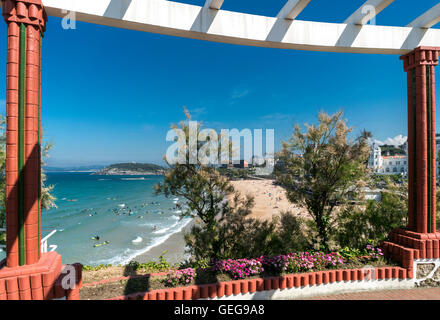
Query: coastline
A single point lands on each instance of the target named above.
(127, 173)
(175, 246)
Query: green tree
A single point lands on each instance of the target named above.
(357, 227)
(220, 239)
(222, 227)
(202, 187)
(322, 168)
(47, 199)
(204, 190)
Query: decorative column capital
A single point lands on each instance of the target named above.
(29, 12)
(420, 56)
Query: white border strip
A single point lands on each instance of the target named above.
(189, 21)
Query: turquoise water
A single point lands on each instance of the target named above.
(118, 209)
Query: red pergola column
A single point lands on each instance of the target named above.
(419, 65)
(27, 273)
(26, 20)
(419, 240)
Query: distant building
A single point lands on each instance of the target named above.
(258, 161)
(242, 164)
(375, 161)
(397, 164)
(231, 164)
(227, 166)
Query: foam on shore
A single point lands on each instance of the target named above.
(130, 254)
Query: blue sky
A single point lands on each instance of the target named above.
(110, 95)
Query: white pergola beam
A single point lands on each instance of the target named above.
(428, 19)
(368, 11)
(214, 4)
(195, 22)
(292, 9)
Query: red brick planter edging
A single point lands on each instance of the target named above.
(406, 246)
(42, 281)
(263, 284)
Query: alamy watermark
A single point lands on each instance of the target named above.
(69, 20)
(208, 147)
(370, 14)
(69, 280)
(369, 273)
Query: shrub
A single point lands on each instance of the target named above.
(161, 265)
(357, 227)
(374, 253)
(179, 277)
(2, 237)
(286, 263)
(303, 262)
(240, 237)
(96, 268)
(282, 264)
(279, 264)
(195, 264)
(240, 268)
(350, 253)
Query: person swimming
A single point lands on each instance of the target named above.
(96, 238)
(101, 244)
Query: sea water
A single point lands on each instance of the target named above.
(118, 209)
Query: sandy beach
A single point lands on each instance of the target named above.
(270, 200)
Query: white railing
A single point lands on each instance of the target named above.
(44, 245)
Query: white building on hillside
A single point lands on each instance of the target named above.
(396, 164)
(387, 164)
(375, 161)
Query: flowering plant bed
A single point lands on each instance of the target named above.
(179, 277)
(227, 271)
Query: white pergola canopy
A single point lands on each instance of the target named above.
(212, 23)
